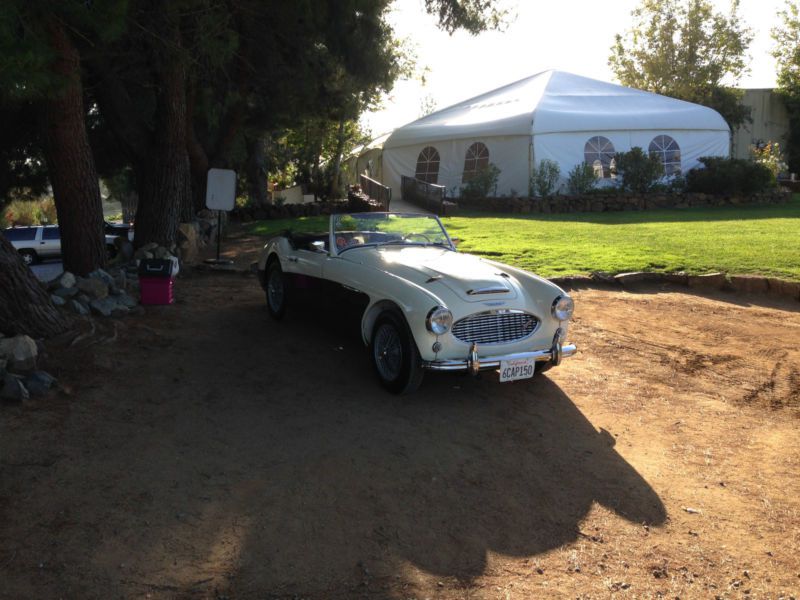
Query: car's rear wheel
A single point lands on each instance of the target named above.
(276, 290)
(29, 257)
(395, 355)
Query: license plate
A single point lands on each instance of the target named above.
(519, 368)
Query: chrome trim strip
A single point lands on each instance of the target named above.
(489, 290)
(493, 362)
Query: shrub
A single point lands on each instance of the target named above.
(23, 212)
(637, 171)
(770, 156)
(544, 178)
(47, 208)
(729, 176)
(581, 179)
(482, 183)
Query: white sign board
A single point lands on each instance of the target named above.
(221, 189)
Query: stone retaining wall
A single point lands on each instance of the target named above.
(617, 201)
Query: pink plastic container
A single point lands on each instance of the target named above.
(156, 290)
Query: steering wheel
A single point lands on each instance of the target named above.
(408, 237)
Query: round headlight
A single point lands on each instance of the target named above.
(439, 320)
(563, 306)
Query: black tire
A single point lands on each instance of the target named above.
(276, 290)
(395, 356)
(29, 257)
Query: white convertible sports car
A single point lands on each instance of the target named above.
(425, 305)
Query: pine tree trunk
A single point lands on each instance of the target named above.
(165, 183)
(70, 163)
(25, 306)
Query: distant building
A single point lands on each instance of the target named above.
(770, 122)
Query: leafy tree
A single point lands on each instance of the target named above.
(684, 49)
(40, 71)
(473, 16)
(41, 65)
(787, 55)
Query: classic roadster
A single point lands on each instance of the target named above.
(425, 305)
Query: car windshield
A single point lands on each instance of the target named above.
(383, 229)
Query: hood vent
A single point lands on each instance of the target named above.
(494, 289)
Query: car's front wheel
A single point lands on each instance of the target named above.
(276, 290)
(395, 355)
(29, 257)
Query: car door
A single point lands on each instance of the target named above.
(50, 241)
(307, 262)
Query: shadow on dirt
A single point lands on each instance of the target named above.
(363, 482)
(258, 458)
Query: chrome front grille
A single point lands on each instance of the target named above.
(495, 327)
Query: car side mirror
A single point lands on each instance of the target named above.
(318, 247)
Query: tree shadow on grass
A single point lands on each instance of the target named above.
(695, 214)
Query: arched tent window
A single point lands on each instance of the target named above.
(599, 152)
(668, 152)
(476, 160)
(428, 165)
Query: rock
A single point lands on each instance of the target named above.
(119, 311)
(3, 365)
(39, 383)
(13, 389)
(749, 283)
(78, 308)
(67, 280)
(65, 292)
(20, 351)
(714, 281)
(637, 277)
(94, 288)
(125, 300)
(57, 300)
(103, 306)
(102, 276)
(141, 254)
(188, 250)
(83, 299)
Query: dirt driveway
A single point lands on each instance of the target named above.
(205, 451)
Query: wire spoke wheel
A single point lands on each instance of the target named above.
(388, 351)
(276, 291)
(394, 354)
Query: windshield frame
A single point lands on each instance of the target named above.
(336, 251)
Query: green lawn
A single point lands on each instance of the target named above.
(764, 240)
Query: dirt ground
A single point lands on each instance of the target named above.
(205, 451)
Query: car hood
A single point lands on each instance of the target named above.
(470, 278)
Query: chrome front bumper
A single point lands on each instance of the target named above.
(473, 363)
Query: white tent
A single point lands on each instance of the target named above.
(555, 115)
(365, 160)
